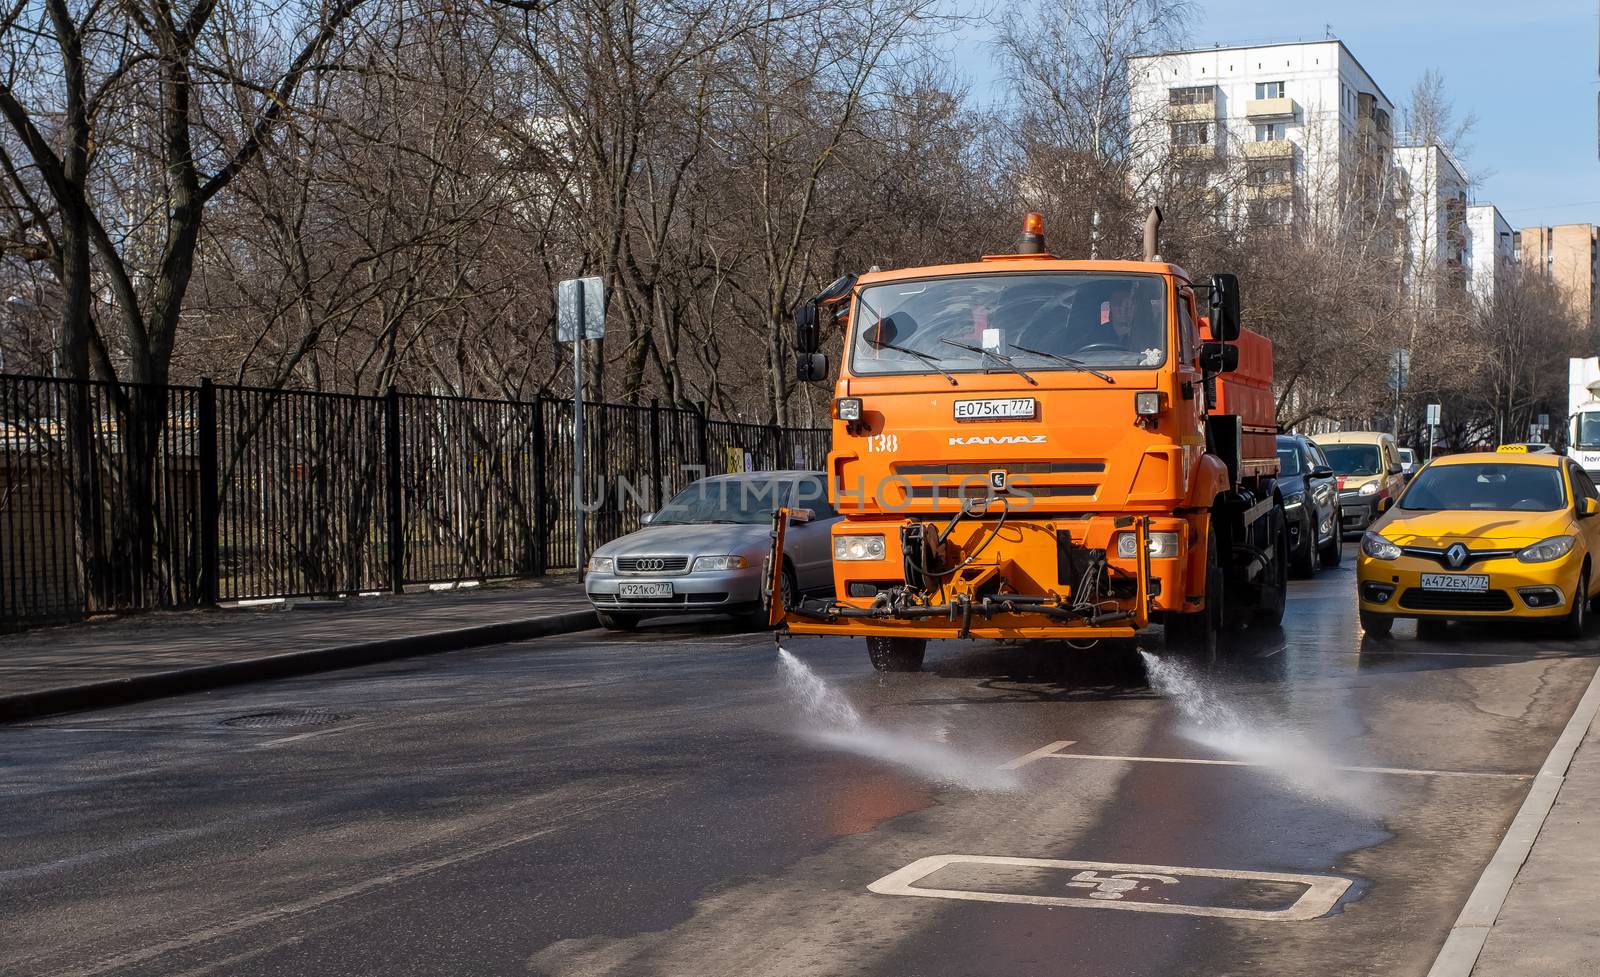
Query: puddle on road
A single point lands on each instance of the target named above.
(827, 717)
(1211, 720)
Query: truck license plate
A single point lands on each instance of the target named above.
(1455, 581)
(646, 589)
(1000, 409)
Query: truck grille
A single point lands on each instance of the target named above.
(652, 564)
(1417, 599)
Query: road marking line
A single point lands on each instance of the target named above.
(1322, 891)
(1408, 771)
(1048, 749)
(1471, 929)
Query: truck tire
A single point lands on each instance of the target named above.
(613, 621)
(1274, 594)
(1196, 634)
(896, 654)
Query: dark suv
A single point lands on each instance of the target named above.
(1311, 504)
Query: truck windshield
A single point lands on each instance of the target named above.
(1103, 321)
(1493, 485)
(1588, 429)
(1353, 459)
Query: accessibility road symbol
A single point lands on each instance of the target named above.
(1268, 896)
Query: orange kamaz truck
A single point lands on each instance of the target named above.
(1027, 447)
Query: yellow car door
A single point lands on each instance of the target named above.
(1583, 492)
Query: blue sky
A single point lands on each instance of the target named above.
(1526, 69)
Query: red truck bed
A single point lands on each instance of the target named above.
(1247, 392)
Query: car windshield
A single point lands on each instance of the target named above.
(1100, 321)
(1353, 459)
(1487, 485)
(736, 500)
(1589, 429)
(1288, 458)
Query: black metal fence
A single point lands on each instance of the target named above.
(119, 497)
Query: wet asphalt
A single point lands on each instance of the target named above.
(662, 804)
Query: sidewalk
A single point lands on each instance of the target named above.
(85, 666)
(1550, 924)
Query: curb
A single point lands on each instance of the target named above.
(201, 678)
(1459, 955)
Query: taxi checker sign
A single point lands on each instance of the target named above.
(998, 409)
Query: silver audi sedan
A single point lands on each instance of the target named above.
(703, 552)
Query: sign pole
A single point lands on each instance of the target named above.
(577, 433)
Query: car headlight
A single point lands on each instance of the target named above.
(860, 547)
(702, 563)
(1161, 545)
(602, 564)
(1379, 548)
(1546, 550)
(1371, 488)
(1293, 502)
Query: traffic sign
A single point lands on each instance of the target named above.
(580, 300)
(1433, 413)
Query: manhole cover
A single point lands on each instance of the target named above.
(283, 719)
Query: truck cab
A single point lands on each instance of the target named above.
(1032, 447)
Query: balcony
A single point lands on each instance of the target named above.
(1269, 191)
(1194, 151)
(1268, 149)
(1269, 108)
(1192, 112)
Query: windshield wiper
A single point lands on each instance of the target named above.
(1078, 365)
(932, 361)
(1003, 359)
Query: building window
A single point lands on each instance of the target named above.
(1201, 95)
(1273, 211)
(1269, 172)
(1191, 134)
(1269, 89)
(1269, 131)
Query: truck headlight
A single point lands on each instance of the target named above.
(602, 564)
(849, 408)
(1147, 403)
(1161, 545)
(1379, 548)
(860, 547)
(703, 563)
(1371, 488)
(1546, 550)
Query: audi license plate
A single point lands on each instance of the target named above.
(1000, 409)
(637, 590)
(1455, 581)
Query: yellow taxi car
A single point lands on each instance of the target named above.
(1484, 536)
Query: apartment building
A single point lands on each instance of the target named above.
(1432, 190)
(1489, 249)
(1568, 254)
(1276, 131)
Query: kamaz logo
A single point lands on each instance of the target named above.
(999, 439)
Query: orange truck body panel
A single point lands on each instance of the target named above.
(1091, 467)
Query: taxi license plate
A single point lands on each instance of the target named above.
(646, 590)
(1001, 409)
(1455, 581)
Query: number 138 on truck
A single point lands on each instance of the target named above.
(1032, 448)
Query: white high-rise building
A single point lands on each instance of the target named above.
(1490, 249)
(1277, 131)
(1434, 191)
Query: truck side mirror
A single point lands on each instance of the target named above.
(807, 337)
(810, 367)
(1224, 307)
(1219, 357)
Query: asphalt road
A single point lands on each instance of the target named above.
(681, 803)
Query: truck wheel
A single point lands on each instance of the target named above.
(896, 654)
(612, 621)
(1275, 595)
(1196, 633)
(1332, 554)
(1376, 625)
